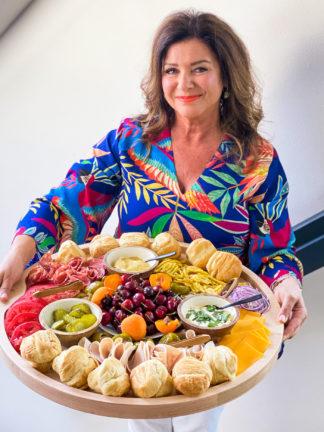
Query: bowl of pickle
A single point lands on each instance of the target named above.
(71, 319)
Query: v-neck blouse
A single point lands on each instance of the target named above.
(241, 211)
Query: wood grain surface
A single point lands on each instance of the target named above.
(49, 386)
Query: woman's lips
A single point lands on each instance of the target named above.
(188, 98)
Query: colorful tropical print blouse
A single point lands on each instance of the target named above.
(240, 210)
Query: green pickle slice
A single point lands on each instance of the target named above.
(59, 314)
(77, 313)
(83, 307)
(169, 337)
(59, 325)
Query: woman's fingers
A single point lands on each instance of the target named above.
(5, 287)
(299, 314)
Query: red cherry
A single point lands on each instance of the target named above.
(171, 304)
(124, 278)
(160, 313)
(127, 305)
(160, 299)
(131, 285)
(112, 311)
(106, 318)
(149, 304)
(138, 298)
(149, 316)
(157, 289)
(146, 283)
(151, 329)
(120, 315)
(139, 312)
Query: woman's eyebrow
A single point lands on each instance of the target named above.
(191, 64)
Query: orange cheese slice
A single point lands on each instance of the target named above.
(246, 356)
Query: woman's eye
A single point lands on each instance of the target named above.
(200, 69)
(170, 71)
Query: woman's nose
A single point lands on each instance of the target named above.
(185, 81)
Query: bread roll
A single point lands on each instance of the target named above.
(224, 266)
(40, 348)
(68, 250)
(222, 361)
(74, 366)
(199, 251)
(164, 243)
(134, 239)
(191, 376)
(110, 378)
(102, 244)
(151, 379)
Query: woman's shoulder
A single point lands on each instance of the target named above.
(129, 127)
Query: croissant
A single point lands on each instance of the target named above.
(74, 366)
(199, 251)
(110, 378)
(40, 348)
(151, 379)
(191, 376)
(224, 266)
(165, 243)
(69, 249)
(134, 239)
(222, 361)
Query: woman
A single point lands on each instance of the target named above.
(193, 164)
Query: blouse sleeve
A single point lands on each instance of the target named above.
(78, 208)
(271, 250)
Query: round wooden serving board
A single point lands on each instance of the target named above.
(49, 386)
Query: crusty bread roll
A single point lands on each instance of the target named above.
(191, 376)
(40, 348)
(199, 251)
(102, 244)
(134, 239)
(222, 361)
(224, 266)
(165, 243)
(110, 378)
(68, 250)
(74, 366)
(151, 379)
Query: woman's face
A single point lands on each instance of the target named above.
(191, 80)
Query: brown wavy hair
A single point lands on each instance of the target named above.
(241, 112)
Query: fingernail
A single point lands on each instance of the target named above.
(282, 319)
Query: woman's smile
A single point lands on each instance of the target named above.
(188, 98)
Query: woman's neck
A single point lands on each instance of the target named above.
(196, 130)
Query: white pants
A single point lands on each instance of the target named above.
(205, 421)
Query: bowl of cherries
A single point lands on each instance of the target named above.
(139, 297)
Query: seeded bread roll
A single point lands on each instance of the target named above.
(110, 378)
(40, 348)
(102, 244)
(151, 379)
(191, 376)
(134, 239)
(68, 250)
(165, 243)
(224, 266)
(199, 251)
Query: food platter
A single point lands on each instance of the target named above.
(49, 386)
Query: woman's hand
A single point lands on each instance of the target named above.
(293, 310)
(12, 267)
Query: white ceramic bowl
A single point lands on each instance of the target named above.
(69, 338)
(203, 300)
(130, 251)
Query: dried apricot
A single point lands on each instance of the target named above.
(135, 326)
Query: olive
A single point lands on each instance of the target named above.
(58, 314)
(82, 306)
(168, 338)
(180, 289)
(90, 289)
(81, 295)
(124, 336)
(98, 336)
(58, 325)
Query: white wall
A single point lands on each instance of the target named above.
(71, 70)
